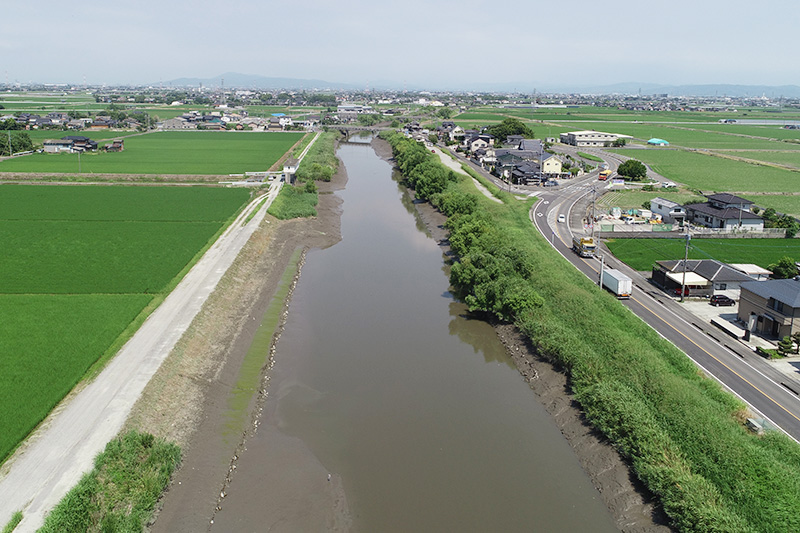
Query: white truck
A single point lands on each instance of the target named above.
(617, 282)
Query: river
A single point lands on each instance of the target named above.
(382, 381)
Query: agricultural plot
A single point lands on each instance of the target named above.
(788, 204)
(196, 152)
(789, 158)
(709, 173)
(641, 254)
(80, 264)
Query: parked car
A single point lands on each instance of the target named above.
(721, 299)
(562, 218)
(677, 292)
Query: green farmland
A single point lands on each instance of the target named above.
(196, 152)
(82, 264)
(641, 254)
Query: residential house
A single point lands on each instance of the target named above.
(103, 122)
(54, 146)
(725, 211)
(670, 212)
(80, 143)
(117, 145)
(704, 277)
(754, 271)
(770, 307)
(274, 124)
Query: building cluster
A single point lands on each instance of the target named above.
(720, 211)
(239, 120)
(59, 120)
(77, 143)
(519, 161)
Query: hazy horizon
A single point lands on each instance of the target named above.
(424, 44)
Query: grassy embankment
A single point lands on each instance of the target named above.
(319, 164)
(82, 268)
(120, 493)
(681, 433)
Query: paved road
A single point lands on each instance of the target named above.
(766, 390)
(60, 452)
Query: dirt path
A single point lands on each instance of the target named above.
(63, 448)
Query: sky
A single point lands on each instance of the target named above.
(416, 43)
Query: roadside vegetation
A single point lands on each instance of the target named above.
(121, 492)
(681, 433)
(320, 163)
(16, 518)
(82, 268)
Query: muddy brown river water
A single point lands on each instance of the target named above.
(382, 381)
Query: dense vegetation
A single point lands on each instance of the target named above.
(509, 126)
(121, 492)
(320, 163)
(679, 430)
(632, 169)
(80, 265)
(294, 202)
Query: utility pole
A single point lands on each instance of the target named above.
(685, 259)
(602, 263)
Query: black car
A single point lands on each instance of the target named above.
(721, 299)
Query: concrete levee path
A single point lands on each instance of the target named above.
(63, 448)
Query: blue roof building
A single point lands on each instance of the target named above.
(658, 142)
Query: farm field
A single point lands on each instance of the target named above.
(782, 203)
(782, 158)
(709, 173)
(39, 136)
(640, 254)
(81, 264)
(630, 199)
(196, 152)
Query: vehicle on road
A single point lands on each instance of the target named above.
(618, 283)
(583, 246)
(721, 299)
(604, 175)
(562, 218)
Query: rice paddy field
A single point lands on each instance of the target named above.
(82, 265)
(641, 254)
(179, 152)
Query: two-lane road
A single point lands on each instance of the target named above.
(726, 359)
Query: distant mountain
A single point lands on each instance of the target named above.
(235, 80)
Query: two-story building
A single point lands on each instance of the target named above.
(724, 211)
(671, 212)
(771, 307)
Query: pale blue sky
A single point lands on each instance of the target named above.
(423, 43)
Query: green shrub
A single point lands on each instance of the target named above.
(294, 202)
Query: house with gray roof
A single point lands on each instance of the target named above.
(770, 307)
(704, 277)
(724, 211)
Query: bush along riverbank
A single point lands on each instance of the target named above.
(121, 492)
(681, 433)
(319, 164)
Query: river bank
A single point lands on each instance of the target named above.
(187, 401)
(628, 500)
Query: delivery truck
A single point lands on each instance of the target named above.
(618, 283)
(583, 246)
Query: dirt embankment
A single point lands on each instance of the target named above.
(629, 501)
(187, 399)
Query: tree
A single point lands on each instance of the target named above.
(785, 346)
(796, 340)
(632, 169)
(619, 143)
(784, 268)
(510, 126)
(445, 113)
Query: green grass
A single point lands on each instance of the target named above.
(590, 157)
(789, 204)
(196, 152)
(628, 199)
(641, 254)
(708, 173)
(790, 158)
(81, 264)
(121, 492)
(16, 518)
(39, 136)
(293, 202)
(49, 342)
